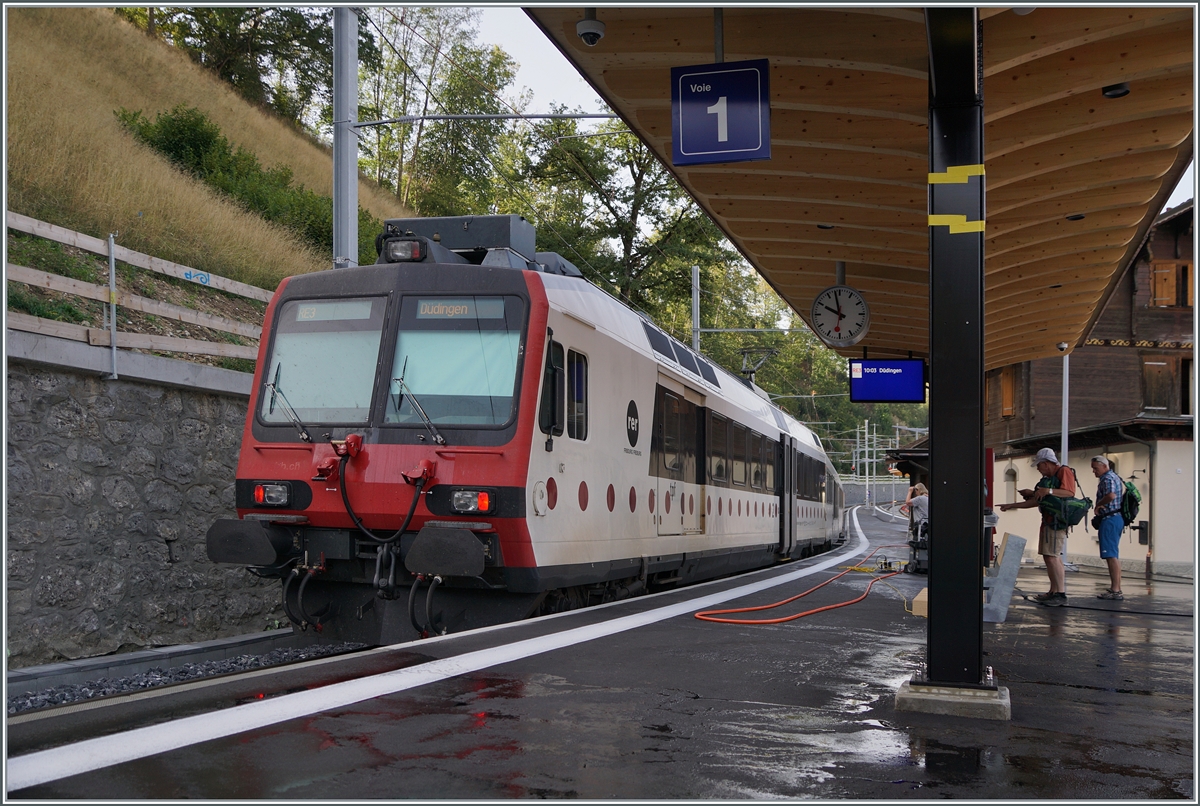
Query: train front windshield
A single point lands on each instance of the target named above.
(458, 357)
(323, 360)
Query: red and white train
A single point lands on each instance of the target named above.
(468, 433)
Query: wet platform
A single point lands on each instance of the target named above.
(640, 700)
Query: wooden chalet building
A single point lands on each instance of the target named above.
(1131, 390)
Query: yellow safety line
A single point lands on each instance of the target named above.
(957, 223)
(956, 175)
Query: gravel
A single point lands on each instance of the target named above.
(105, 686)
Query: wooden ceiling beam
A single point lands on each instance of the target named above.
(1010, 40)
(1153, 53)
(805, 189)
(834, 38)
(1081, 113)
(1067, 200)
(820, 88)
(833, 163)
(807, 128)
(1139, 167)
(1086, 243)
(1010, 234)
(904, 241)
(855, 271)
(1161, 134)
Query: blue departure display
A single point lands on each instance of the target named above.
(883, 381)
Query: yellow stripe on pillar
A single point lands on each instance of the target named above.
(956, 175)
(957, 223)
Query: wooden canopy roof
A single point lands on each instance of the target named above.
(849, 111)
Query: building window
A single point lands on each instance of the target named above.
(1008, 396)
(1171, 284)
(577, 400)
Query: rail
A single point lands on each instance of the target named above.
(116, 298)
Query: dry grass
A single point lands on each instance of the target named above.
(71, 163)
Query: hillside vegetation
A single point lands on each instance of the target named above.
(70, 162)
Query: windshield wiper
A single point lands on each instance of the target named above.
(273, 386)
(416, 404)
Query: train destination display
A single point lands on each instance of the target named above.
(887, 381)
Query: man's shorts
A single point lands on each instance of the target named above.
(1051, 541)
(1110, 535)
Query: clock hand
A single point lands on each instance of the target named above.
(840, 315)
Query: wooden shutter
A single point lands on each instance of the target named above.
(1164, 285)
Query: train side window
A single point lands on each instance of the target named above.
(739, 454)
(553, 392)
(821, 482)
(769, 457)
(577, 399)
(756, 471)
(718, 440)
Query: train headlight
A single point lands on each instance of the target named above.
(272, 495)
(400, 250)
(471, 501)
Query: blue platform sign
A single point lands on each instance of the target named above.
(721, 113)
(883, 381)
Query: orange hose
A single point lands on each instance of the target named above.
(710, 615)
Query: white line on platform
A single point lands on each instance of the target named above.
(57, 763)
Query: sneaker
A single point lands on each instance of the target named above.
(1111, 594)
(1056, 600)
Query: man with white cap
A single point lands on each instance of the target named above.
(1109, 522)
(1056, 480)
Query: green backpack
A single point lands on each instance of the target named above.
(1065, 512)
(1131, 502)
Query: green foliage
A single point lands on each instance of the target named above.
(50, 256)
(279, 57)
(194, 143)
(237, 364)
(20, 299)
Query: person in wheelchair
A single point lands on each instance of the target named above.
(916, 504)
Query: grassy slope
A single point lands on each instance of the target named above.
(70, 162)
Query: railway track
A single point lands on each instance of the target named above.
(63, 684)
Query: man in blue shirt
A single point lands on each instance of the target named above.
(1108, 514)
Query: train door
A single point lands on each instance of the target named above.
(676, 432)
(669, 426)
(787, 494)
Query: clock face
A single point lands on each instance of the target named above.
(840, 316)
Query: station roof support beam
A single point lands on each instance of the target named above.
(956, 233)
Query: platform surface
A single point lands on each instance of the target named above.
(676, 708)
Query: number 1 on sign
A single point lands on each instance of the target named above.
(721, 111)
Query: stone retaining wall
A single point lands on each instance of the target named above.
(112, 485)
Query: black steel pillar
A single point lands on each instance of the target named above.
(956, 222)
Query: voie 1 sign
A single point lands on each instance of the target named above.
(721, 112)
(881, 381)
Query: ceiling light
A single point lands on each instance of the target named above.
(1021, 12)
(1116, 90)
(1076, 217)
(824, 226)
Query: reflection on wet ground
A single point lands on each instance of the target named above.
(1101, 699)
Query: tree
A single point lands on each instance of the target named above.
(280, 57)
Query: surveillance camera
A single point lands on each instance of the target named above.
(590, 31)
(1062, 346)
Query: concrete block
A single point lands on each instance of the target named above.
(954, 701)
(920, 603)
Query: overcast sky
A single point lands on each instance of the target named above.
(552, 79)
